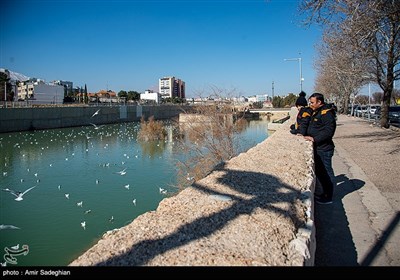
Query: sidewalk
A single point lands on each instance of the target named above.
(362, 226)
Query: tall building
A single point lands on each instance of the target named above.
(171, 87)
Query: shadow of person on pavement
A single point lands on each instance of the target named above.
(335, 246)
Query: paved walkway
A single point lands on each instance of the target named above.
(362, 226)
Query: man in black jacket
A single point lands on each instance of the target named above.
(320, 131)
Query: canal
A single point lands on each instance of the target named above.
(78, 183)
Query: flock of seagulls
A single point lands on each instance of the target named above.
(92, 137)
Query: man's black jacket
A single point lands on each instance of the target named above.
(322, 127)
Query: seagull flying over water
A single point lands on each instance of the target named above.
(122, 172)
(8, 227)
(96, 126)
(19, 195)
(95, 113)
(83, 224)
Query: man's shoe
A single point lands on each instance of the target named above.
(323, 200)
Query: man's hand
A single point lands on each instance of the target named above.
(309, 138)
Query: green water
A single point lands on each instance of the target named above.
(84, 163)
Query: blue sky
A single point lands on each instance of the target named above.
(235, 47)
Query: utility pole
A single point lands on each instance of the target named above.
(5, 94)
(272, 91)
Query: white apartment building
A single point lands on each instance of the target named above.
(39, 92)
(262, 97)
(171, 87)
(151, 95)
(25, 90)
(252, 99)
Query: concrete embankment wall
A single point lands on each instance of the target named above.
(22, 119)
(254, 210)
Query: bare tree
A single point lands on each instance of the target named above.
(340, 72)
(377, 97)
(372, 27)
(209, 136)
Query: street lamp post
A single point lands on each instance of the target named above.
(369, 101)
(369, 97)
(301, 70)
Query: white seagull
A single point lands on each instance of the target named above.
(19, 195)
(8, 227)
(96, 126)
(134, 202)
(189, 178)
(95, 113)
(127, 186)
(67, 195)
(79, 203)
(83, 224)
(122, 172)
